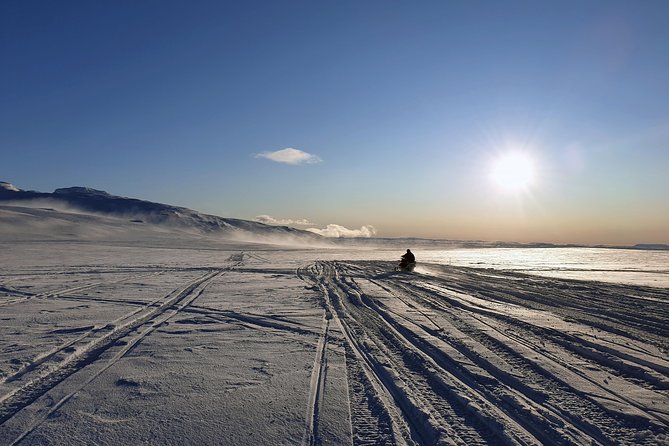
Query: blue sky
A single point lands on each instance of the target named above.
(406, 104)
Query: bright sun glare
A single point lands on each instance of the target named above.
(513, 172)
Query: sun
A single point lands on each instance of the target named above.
(513, 172)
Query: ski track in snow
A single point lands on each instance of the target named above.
(443, 356)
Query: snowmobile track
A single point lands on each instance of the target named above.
(423, 408)
(41, 376)
(316, 386)
(427, 364)
(531, 338)
(574, 406)
(70, 290)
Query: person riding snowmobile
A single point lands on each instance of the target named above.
(408, 261)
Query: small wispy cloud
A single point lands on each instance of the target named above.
(269, 220)
(333, 230)
(290, 156)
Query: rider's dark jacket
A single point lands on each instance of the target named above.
(409, 257)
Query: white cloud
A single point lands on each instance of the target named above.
(340, 231)
(290, 156)
(269, 220)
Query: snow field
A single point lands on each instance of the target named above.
(257, 345)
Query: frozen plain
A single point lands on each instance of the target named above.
(169, 341)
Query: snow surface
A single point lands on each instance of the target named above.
(633, 267)
(113, 332)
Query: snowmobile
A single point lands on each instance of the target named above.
(404, 266)
(408, 262)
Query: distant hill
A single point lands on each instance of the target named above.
(93, 201)
(651, 246)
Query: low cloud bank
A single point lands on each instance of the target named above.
(290, 156)
(269, 220)
(340, 231)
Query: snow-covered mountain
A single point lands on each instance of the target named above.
(101, 203)
(8, 187)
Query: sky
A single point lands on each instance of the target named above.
(387, 118)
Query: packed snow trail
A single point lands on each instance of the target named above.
(464, 357)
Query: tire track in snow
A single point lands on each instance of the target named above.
(370, 403)
(316, 386)
(155, 322)
(251, 320)
(479, 379)
(637, 312)
(576, 406)
(576, 417)
(576, 346)
(445, 385)
(103, 328)
(69, 290)
(42, 377)
(424, 409)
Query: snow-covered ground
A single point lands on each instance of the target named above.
(213, 343)
(630, 266)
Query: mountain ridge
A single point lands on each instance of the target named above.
(142, 211)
